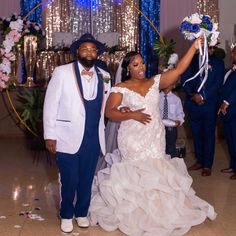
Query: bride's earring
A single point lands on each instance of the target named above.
(127, 72)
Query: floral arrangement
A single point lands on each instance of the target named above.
(105, 78)
(166, 53)
(13, 29)
(197, 25)
(193, 27)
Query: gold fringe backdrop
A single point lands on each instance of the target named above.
(76, 17)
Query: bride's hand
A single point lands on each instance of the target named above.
(198, 42)
(141, 117)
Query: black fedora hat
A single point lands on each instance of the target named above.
(87, 38)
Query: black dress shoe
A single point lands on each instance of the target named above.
(233, 176)
(195, 166)
(227, 170)
(206, 172)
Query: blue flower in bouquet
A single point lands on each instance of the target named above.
(196, 25)
(195, 28)
(206, 23)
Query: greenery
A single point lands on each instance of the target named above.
(31, 107)
(164, 50)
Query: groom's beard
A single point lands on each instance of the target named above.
(85, 62)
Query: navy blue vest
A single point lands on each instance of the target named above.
(92, 107)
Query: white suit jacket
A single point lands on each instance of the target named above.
(64, 111)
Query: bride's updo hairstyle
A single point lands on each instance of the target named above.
(125, 74)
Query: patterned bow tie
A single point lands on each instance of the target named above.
(85, 72)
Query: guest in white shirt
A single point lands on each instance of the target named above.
(172, 113)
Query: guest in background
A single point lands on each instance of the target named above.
(173, 116)
(202, 108)
(227, 112)
(74, 126)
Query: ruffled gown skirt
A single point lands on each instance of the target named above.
(142, 191)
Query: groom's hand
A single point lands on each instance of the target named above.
(51, 145)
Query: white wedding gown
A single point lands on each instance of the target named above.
(143, 191)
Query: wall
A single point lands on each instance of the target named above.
(8, 7)
(227, 26)
(172, 14)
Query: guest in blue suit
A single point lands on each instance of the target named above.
(202, 108)
(227, 112)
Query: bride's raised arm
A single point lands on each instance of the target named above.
(170, 77)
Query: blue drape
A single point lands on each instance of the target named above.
(148, 35)
(27, 5)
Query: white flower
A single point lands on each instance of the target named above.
(8, 44)
(195, 19)
(214, 38)
(6, 68)
(37, 28)
(173, 59)
(26, 31)
(215, 27)
(16, 25)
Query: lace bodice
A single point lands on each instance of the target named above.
(136, 140)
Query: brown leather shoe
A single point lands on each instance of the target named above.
(233, 176)
(227, 170)
(195, 166)
(206, 172)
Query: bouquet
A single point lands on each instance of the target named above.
(13, 29)
(193, 27)
(197, 25)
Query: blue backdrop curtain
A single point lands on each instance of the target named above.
(36, 16)
(27, 5)
(148, 35)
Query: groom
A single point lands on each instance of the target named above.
(74, 126)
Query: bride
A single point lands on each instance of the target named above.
(144, 192)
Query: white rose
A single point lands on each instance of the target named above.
(16, 25)
(8, 44)
(173, 59)
(214, 38)
(215, 27)
(195, 19)
(5, 68)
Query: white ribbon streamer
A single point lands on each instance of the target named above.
(203, 64)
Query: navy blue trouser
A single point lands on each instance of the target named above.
(230, 136)
(171, 137)
(76, 176)
(202, 125)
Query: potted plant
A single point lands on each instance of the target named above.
(31, 111)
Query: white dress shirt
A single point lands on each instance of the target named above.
(175, 108)
(89, 84)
